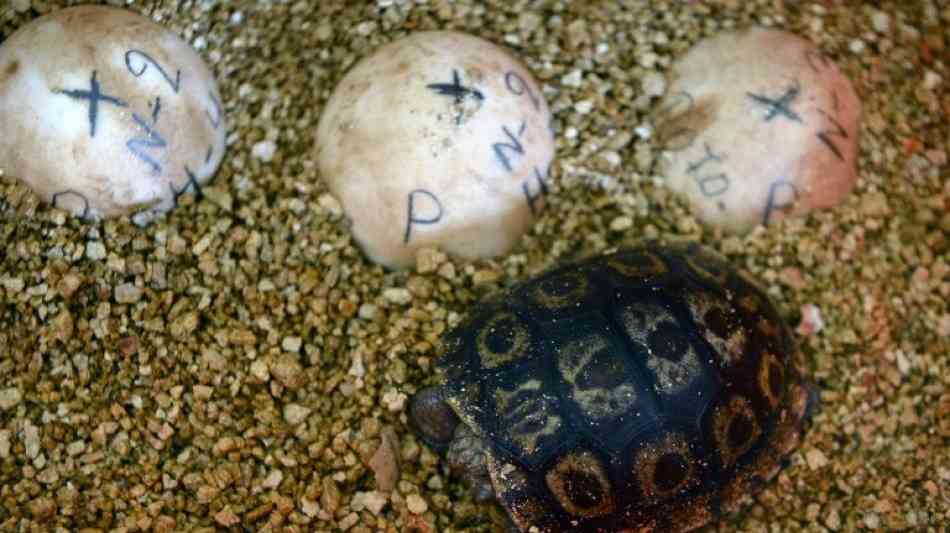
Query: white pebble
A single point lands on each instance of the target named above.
(416, 504)
(654, 84)
(127, 293)
(10, 398)
(621, 224)
(272, 481)
(291, 344)
(372, 500)
(572, 78)
(264, 150)
(398, 295)
(95, 250)
(295, 414)
(584, 106)
(881, 21)
(931, 80)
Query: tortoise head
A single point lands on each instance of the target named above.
(432, 418)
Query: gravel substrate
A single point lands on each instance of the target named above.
(239, 365)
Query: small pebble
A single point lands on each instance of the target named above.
(295, 414)
(127, 293)
(654, 84)
(815, 459)
(10, 398)
(291, 344)
(416, 504)
(398, 295)
(372, 500)
(287, 371)
(264, 150)
(95, 250)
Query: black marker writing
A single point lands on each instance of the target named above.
(710, 156)
(146, 61)
(215, 118)
(152, 139)
(72, 194)
(192, 183)
(826, 135)
(456, 89)
(532, 199)
(779, 106)
(513, 146)
(414, 218)
(94, 95)
(775, 203)
(518, 86)
(710, 184)
(156, 109)
(817, 60)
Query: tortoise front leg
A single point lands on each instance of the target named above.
(467, 455)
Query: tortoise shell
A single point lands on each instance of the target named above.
(650, 389)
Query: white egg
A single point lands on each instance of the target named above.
(757, 125)
(439, 139)
(107, 113)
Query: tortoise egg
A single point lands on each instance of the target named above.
(106, 113)
(439, 139)
(757, 125)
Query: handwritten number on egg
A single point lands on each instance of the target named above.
(837, 131)
(192, 183)
(214, 118)
(151, 140)
(532, 198)
(518, 86)
(145, 60)
(502, 149)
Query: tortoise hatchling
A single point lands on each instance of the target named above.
(651, 389)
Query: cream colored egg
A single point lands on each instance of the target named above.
(758, 125)
(107, 113)
(439, 139)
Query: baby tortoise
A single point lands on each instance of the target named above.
(651, 389)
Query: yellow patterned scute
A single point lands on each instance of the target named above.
(637, 265)
(559, 292)
(709, 266)
(580, 484)
(528, 414)
(502, 339)
(596, 377)
(736, 429)
(720, 324)
(670, 356)
(666, 468)
(771, 379)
